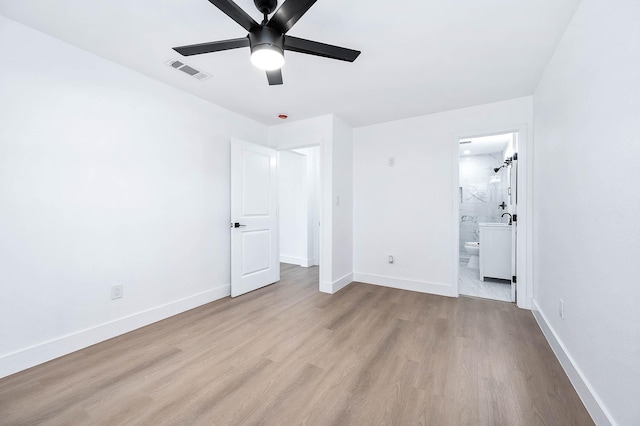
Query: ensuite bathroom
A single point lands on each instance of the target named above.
(487, 173)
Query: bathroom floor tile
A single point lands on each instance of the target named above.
(469, 284)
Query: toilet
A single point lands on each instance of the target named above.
(472, 247)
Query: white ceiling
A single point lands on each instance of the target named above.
(418, 56)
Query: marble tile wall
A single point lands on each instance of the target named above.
(481, 193)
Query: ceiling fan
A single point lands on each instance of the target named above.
(268, 40)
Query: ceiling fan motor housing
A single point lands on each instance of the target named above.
(266, 6)
(266, 37)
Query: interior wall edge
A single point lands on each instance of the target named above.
(587, 394)
(527, 303)
(40, 353)
(405, 284)
(341, 282)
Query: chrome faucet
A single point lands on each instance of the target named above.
(510, 218)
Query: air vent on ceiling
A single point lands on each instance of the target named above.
(189, 70)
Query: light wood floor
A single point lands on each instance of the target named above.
(287, 354)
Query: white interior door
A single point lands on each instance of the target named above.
(254, 227)
(513, 202)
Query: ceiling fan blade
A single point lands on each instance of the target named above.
(214, 46)
(234, 12)
(289, 13)
(309, 47)
(274, 77)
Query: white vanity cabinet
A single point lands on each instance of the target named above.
(495, 251)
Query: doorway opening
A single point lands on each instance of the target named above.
(487, 207)
(270, 194)
(299, 204)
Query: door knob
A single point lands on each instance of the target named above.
(236, 225)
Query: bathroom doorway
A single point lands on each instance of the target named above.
(487, 201)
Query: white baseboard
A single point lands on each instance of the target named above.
(341, 283)
(403, 284)
(46, 351)
(326, 287)
(590, 399)
(527, 303)
(305, 263)
(332, 287)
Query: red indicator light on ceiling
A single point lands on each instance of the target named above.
(283, 116)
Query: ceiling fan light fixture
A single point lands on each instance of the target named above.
(267, 57)
(267, 40)
(267, 48)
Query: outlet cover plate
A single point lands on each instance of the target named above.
(117, 291)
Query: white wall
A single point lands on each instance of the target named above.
(342, 203)
(301, 133)
(335, 140)
(293, 203)
(313, 203)
(304, 133)
(106, 177)
(406, 210)
(586, 204)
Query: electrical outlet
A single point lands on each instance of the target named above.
(561, 309)
(117, 291)
(392, 161)
(391, 259)
(338, 200)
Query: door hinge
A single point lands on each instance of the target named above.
(514, 279)
(514, 156)
(515, 218)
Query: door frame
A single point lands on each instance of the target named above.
(524, 263)
(313, 231)
(324, 231)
